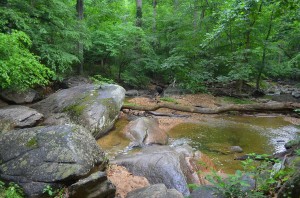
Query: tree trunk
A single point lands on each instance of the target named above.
(261, 107)
(263, 61)
(248, 33)
(139, 13)
(79, 9)
(154, 15)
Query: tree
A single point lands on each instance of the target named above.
(79, 8)
(20, 69)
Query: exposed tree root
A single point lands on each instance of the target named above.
(260, 107)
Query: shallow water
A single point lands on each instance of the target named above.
(115, 142)
(253, 134)
(215, 136)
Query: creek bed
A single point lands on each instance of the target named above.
(216, 135)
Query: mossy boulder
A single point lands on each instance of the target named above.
(54, 155)
(95, 107)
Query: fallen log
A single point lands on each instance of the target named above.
(259, 107)
(166, 114)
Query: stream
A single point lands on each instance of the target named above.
(215, 136)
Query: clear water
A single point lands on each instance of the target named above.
(253, 134)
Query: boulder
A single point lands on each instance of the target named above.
(53, 155)
(146, 131)
(296, 94)
(16, 116)
(132, 93)
(236, 149)
(96, 185)
(94, 106)
(74, 81)
(155, 191)
(19, 97)
(159, 164)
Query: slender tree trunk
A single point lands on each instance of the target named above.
(195, 18)
(154, 2)
(248, 33)
(263, 61)
(79, 8)
(139, 13)
(176, 5)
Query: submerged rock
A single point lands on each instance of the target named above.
(146, 131)
(159, 164)
(95, 107)
(54, 155)
(154, 191)
(16, 116)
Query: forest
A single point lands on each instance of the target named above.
(144, 98)
(191, 43)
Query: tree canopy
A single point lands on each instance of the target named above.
(189, 42)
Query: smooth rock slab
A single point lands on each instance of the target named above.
(95, 107)
(16, 116)
(35, 157)
(159, 164)
(146, 131)
(154, 191)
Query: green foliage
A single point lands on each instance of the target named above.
(98, 79)
(20, 69)
(261, 168)
(191, 42)
(56, 193)
(11, 191)
(297, 111)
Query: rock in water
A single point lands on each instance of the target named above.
(155, 191)
(95, 107)
(16, 116)
(159, 164)
(146, 131)
(40, 156)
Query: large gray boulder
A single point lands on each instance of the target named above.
(95, 107)
(146, 131)
(159, 164)
(19, 97)
(55, 155)
(96, 185)
(16, 116)
(155, 191)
